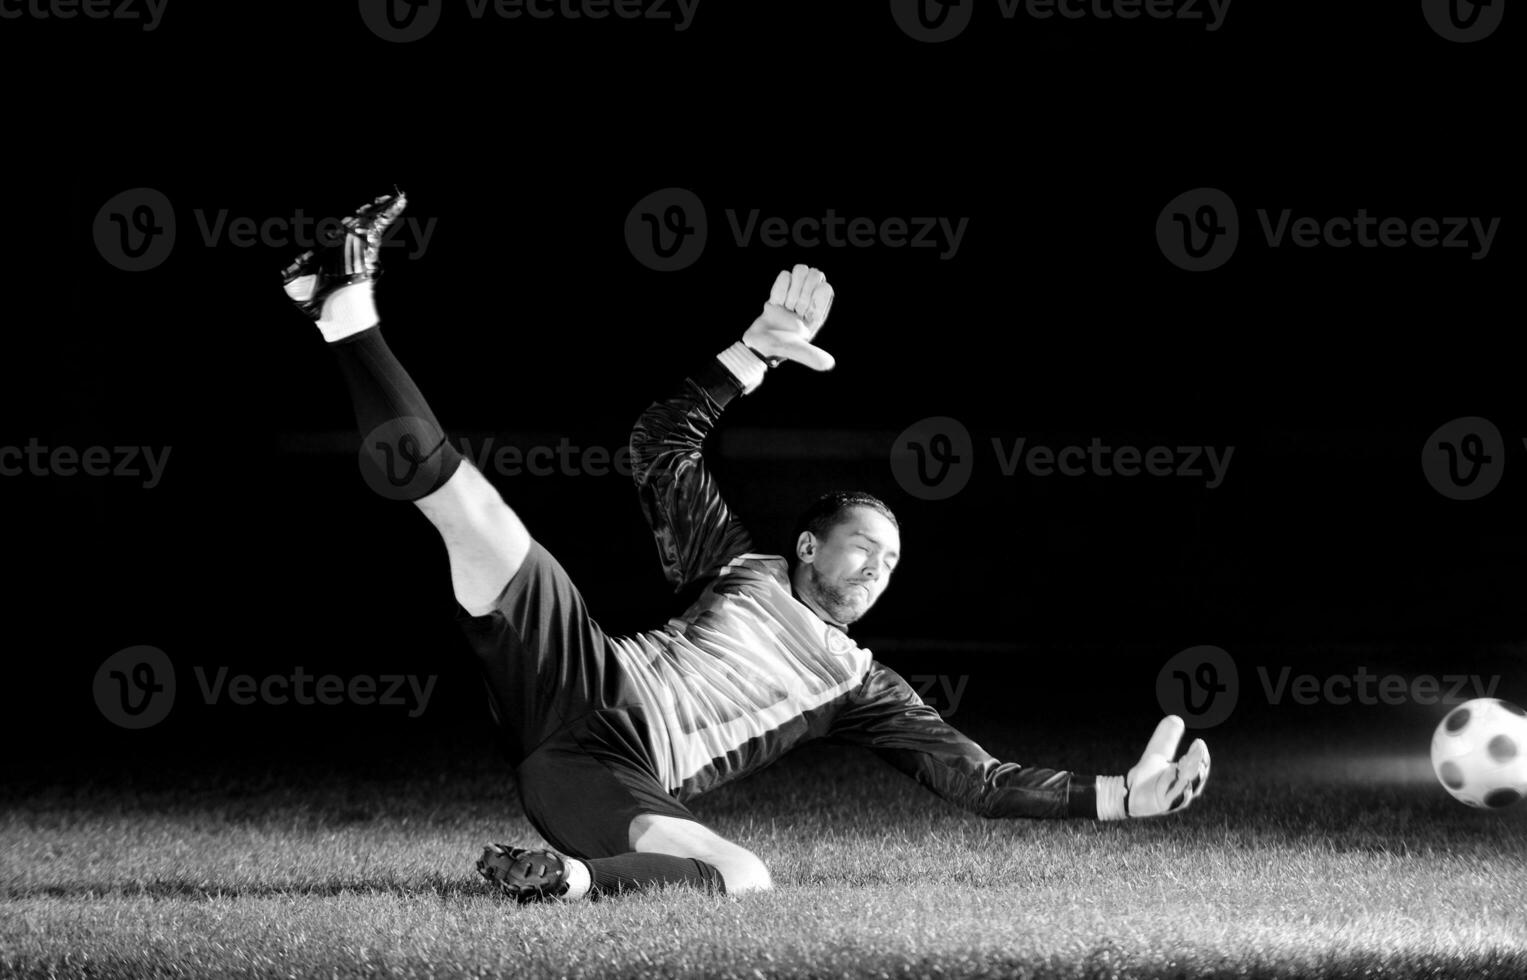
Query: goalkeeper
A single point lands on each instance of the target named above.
(610, 736)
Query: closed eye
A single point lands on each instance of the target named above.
(890, 563)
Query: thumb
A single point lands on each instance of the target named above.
(788, 337)
(1164, 740)
(795, 348)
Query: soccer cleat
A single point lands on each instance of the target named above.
(527, 875)
(354, 257)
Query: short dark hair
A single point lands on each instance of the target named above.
(831, 509)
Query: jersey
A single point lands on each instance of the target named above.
(749, 671)
(739, 679)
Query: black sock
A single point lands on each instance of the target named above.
(402, 439)
(639, 870)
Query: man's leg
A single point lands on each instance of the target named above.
(487, 544)
(616, 828)
(740, 868)
(333, 284)
(672, 850)
(484, 538)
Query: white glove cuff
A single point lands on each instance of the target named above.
(744, 365)
(1112, 798)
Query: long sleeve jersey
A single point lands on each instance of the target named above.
(749, 671)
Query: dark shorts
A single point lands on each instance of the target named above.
(559, 700)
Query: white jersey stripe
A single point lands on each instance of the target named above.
(743, 661)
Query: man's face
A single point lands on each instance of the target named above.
(846, 572)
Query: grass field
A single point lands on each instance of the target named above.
(1328, 855)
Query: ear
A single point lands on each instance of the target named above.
(806, 546)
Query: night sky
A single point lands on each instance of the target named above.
(1034, 158)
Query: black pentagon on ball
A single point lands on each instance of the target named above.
(1457, 720)
(1501, 797)
(1501, 748)
(1515, 709)
(1452, 776)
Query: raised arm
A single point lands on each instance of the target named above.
(695, 529)
(885, 715)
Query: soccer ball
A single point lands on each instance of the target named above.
(1479, 753)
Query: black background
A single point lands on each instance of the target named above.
(1058, 320)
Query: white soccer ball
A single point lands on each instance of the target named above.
(1479, 753)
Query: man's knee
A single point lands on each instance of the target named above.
(485, 540)
(742, 872)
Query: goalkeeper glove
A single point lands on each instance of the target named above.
(797, 308)
(1156, 785)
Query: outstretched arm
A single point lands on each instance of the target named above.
(695, 529)
(884, 714)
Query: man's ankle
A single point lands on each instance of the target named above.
(347, 311)
(579, 879)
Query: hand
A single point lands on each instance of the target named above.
(1156, 785)
(797, 309)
